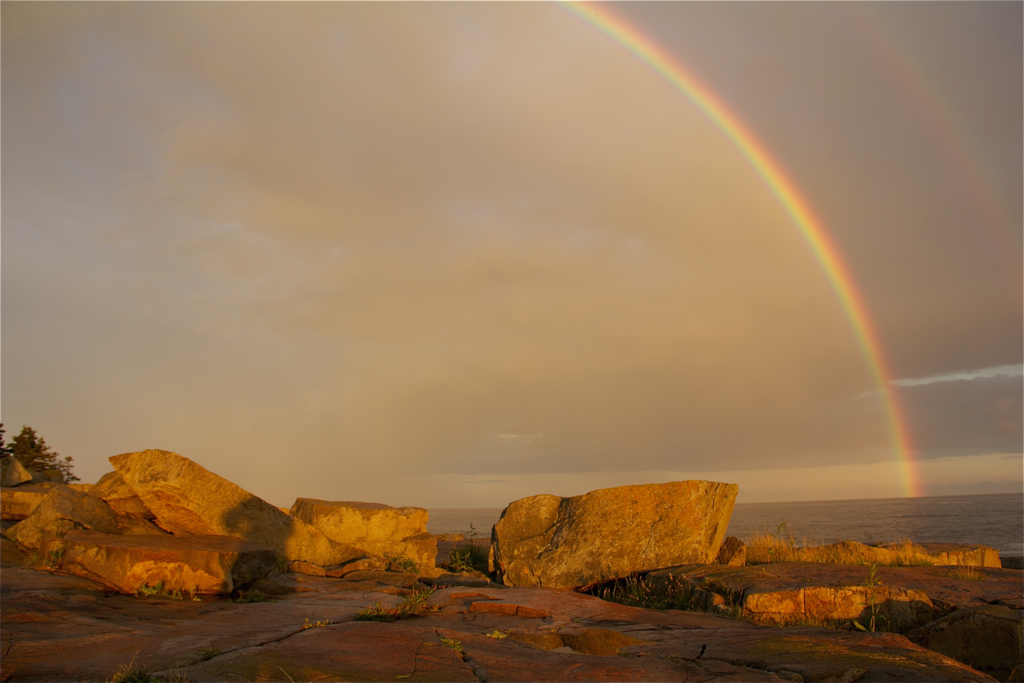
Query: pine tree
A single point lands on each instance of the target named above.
(34, 454)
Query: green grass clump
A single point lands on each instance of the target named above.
(467, 558)
(158, 591)
(400, 563)
(453, 644)
(414, 605)
(255, 595)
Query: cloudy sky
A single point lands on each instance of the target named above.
(457, 254)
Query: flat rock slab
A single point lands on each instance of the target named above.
(59, 628)
(797, 591)
(989, 638)
(188, 564)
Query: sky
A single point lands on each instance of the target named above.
(454, 255)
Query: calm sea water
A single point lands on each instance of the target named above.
(995, 520)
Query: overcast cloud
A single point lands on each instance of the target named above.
(388, 251)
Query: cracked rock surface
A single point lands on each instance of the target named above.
(57, 627)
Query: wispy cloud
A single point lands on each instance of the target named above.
(981, 373)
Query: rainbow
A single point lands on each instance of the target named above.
(799, 209)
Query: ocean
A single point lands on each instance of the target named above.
(995, 520)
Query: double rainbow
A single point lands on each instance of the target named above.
(798, 208)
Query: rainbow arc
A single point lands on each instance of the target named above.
(793, 202)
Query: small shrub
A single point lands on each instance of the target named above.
(128, 673)
(414, 605)
(400, 563)
(467, 558)
(376, 612)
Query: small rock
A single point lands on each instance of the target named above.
(733, 552)
(12, 472)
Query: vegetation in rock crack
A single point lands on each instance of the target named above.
(31, 450)
(158, 591)
(414, 605)
(254, 595)
(967, 573)
(204, 655)
(497, 634)
(319, 624)
(634, 591)
(453, 644)
(129, 673)
(871, 583)
(400, 563)
(467, 557)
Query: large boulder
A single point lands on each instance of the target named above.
(186, 498)
(186, 564)
(19, 502)
(115, 492)
(375, 528)
(610, 533)
(12, 472)
(64, 509)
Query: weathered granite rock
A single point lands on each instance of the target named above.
(64, 509)
(962, 555)
(18, 503)
(989, 638)
(189, 564)
(12, 472)
(610, 533)
(115, 492)
(733, 552)
(186, 498)
(375, 528)
(63, 628)
(797, 592)
(338, 571)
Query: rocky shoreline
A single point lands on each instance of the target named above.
(165, 571)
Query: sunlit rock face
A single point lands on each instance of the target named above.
(64, 509)
(187, 564)
(112, 489)
(186, 498)
(375, 528)
(610, 533)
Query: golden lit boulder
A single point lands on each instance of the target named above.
(186, 498)
(63, 509)
(19, 502)
(12, 472)
(186, 564)
(733, 552)
(610, 533)
(112, 489)
(377, 529)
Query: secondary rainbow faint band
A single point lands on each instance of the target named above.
(799, 209)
